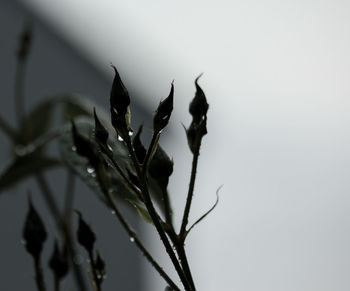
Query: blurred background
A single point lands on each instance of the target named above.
(276, 78)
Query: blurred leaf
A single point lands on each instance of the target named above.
(142, 211)
(80, 165)
(23, 167)
(37, 122)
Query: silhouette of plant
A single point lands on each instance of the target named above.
(104, 152)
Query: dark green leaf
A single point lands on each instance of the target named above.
(80, 165)
(22, 167)
(37, 122)
(101, 132)
(34, 233)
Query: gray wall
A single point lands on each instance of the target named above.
(54, 67)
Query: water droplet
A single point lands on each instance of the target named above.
(74, 148)
(132, 239)
(99, 276)
(113, 212)
(90, 170)
(120, 138)
(109, 148)
(131, 133)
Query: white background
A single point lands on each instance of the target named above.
(276, 77)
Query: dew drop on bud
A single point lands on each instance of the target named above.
(132, 239)
(120, 138)
(131, 133)
(90, 170)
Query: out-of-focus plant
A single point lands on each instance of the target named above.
(104, 152)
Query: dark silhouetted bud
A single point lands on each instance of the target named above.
(198, 128)
(25, 43)
(140, 150)
(59, 262)
(198, 106)
(119, 99)
(34, 233)
(161, 167)
(86, 237)
(163, 112)
(84, 148)
(119, 106)
(101, 133)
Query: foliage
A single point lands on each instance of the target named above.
(113, 162)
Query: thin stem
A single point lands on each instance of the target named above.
(19, 90)
(56, 284)
(133, 236)
(167, 208)
(154, 216)
(151, 149)
(39, 277)
(184, 263)
(189, 194)
(69, 198)
(63, 227)
(97, 285)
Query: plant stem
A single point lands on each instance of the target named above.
(39, 278)
(63, 227)
(56, 284)
(189, 194)
(154, 216)
(133, 236)
(167, 208)
(69, 198)
(97, 285)
(19, 90)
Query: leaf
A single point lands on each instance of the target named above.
(23, 167)
(79, 164)
(142, 211)
(37, 122)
